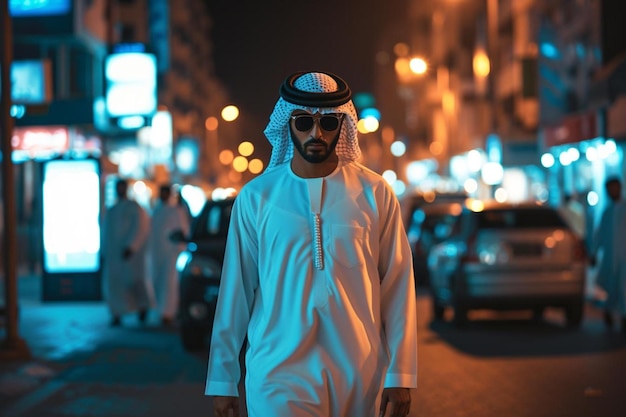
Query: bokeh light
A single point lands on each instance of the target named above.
(230, 113)
(255, 166)
(418, 65)
(211, 123)
(226, 157)
(398, 148)
(240, 164)
(246, 148)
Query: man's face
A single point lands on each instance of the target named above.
(121, 189)
(614, 190)
(315, 135)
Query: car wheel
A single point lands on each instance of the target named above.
(574, 315)
(193, 339)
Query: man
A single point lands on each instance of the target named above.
(611, 274)
(184, 205)
(168, 218)
(124, 233)
(317, 273)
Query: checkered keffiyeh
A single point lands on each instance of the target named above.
(277, 130)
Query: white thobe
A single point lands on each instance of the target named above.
(163, 252)
(611, 274)
(321, 342)
(126, 288)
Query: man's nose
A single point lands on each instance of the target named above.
(316, 131)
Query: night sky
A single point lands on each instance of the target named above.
(258, 43)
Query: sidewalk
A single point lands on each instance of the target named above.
(54, 329)
(82, 367)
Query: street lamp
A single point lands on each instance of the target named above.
(211, 147)
(411, 72)
(215, 140)
(230, 113)
(492, 49)
(418, 65)
(482, 68)
(408, 68)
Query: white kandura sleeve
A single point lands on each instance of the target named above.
(235, 299)
(398, 303)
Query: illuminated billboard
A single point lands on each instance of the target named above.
(71, 216)
(131, 86)
(25, 8)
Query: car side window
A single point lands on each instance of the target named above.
(214, 220)
(217, 220)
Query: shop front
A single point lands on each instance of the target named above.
(580, 153)
(58, 201)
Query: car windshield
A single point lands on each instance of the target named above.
(519, 218)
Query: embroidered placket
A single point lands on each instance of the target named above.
(315, 200)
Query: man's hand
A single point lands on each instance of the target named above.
(221, 405)
(396, 402)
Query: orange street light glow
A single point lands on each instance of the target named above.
(211, 123)
(230, 113)
(418, 65)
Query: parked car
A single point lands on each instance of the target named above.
(200, 268)
(509, 257)
(430, 224)
(413, 201)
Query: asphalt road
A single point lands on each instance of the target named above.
(498, 366)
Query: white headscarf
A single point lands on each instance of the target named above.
(277, 130)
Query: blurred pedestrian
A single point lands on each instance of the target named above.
(180, 200)
(125, 233)
(168, 218)
(317, 273)
(608, 237)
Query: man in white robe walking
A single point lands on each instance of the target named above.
(608, 237)
(317, 274)
(167, 218)
(124, 233)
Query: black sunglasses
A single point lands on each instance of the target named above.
(328, 122)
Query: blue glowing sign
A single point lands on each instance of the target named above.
(31, 81)
(26, 8)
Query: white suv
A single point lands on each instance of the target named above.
(509, 257)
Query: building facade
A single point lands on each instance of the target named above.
(70, 46)
(509, 81)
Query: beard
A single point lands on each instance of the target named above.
(315, 151)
